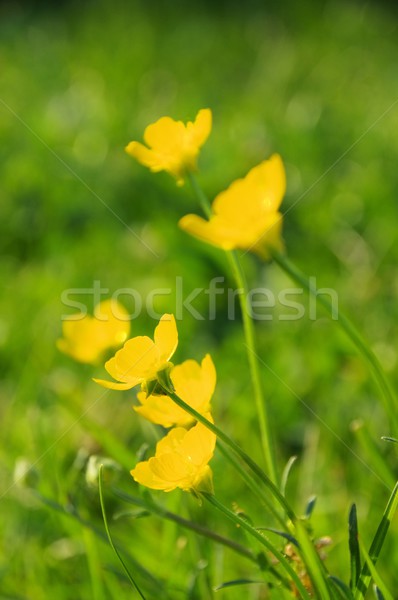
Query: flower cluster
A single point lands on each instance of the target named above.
(182, 456)
(245, 216)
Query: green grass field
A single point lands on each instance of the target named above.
(315, 82)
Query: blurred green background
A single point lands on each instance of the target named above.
(316, 82)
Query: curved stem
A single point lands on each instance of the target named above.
(389, 400)
(263, 540)
(156, 509)
(108, 533)
(265, 433)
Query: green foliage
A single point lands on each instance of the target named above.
(312, 81)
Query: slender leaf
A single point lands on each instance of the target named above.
(310, 507)
(379, 584)
(286, 536)
(313, 563)
(286, 473)
(355, 557)
(377, 592)
(342, 588)
(132, 514)
(377, 544)
(237, 582)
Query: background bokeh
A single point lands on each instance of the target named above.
(316, 82)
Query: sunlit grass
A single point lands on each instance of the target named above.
(314, 83)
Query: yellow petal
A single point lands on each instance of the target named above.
(144, 475)
(245, 215)
(213, 232)
(165, 136)
(137, 360)
(272, 178)
(209, 375)
(180, 461)
(144, 155)
(173, 146)
(112, 323)
(86, 338)
(166, 337)
(161, 410)
(77, 349)
(171, 442)
(199, 444)
(170, 467)
(195, 383)
(203, 482)
(247, 199)
(113, 385)
(201, 128)
(271, 237)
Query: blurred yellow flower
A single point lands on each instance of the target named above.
(173, 146)
(246, 214)
(181, 461)
(86, 338)
(141, 359)
(194, 383)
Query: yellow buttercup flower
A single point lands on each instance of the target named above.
(141, 358)
(194, 383)
(86, 338)
(173, 146)
(181, 461)
(246, 214)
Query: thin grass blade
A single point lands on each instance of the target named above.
(353, 545)
(377, 544)
(379, 584)
(341, 588)
(313, 563)
(133, 582)
(236, 582)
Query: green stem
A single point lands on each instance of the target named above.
(94, 565)
(108, 533)
(201, 196)
(344, 322)
(263, 540)
(253, 485)
(252, 354)
(253, 466)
